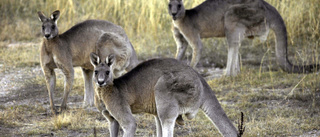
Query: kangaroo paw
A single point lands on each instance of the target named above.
(180, 120)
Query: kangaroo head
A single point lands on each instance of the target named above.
(49, 25)
(103, 74)
(176, 9)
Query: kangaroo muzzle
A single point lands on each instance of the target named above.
(101, 81)
(47, 33)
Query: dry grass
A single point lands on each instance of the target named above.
(275, 103)
(271, 109)
(147, 22)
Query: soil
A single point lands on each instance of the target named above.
(17, 88)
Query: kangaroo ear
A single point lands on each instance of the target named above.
(110, 59)
(94, 59)
(55, 15)
(42, 17)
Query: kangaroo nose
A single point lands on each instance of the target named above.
(100, 82)
(174, 14)
(47, 35)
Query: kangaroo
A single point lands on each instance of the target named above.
(164, 88)
(235, 20)
(73, 48)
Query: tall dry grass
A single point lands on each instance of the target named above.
(146, 22)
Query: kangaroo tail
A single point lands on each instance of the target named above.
(278, 26)
(214, 111)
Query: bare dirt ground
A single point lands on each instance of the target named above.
(24, 98)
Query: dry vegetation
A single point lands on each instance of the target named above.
(274, 103)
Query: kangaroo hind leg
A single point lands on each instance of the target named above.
(88, 88)
(234, 39)
(167, 113)
(167, 107)
(158, 125)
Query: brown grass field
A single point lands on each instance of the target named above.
(274, 102)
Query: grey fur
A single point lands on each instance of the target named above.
(165, 88)
(235, 20)
(72, 49)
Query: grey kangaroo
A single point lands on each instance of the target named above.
(165, 88)
(235, 20)
(73, 48)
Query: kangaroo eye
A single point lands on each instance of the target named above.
(53, 27)
(170, 6)
(179, 6)
(107, 72)
(43, 27)
(96, 72)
